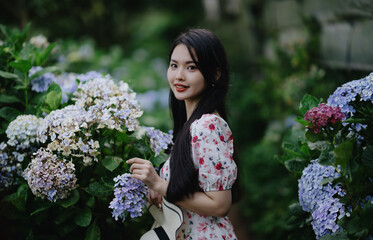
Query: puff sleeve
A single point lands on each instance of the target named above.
(212, 151)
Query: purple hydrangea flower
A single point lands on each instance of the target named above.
(10, 166)
(321, 200)
(41, 83)
(158, 140)
(129, 197)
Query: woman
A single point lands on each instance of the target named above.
(199, 175)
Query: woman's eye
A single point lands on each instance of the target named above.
(173, 65)
(192, 67)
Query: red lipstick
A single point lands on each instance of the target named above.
(180, 87)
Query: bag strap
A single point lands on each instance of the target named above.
(161, 233)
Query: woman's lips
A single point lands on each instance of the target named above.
(180, 87)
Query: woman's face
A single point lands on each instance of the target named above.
(185, 79)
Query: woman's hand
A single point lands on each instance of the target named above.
(143, 170)
(154, 198)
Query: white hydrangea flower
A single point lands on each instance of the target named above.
(39, 41)
(68, 130)
(22, 132)
(112, 105)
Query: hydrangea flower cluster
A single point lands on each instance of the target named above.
(39, 41)
(70, 134)
(22, 132)
(129, 197)
(320, 116)
(158, 140)
(113, 105)
(41, 83)
(321, 200)
(343, 96)
(50, 177)
(10, 166)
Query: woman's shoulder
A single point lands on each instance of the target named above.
(209, 121)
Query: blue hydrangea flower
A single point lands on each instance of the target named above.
(41, 83)
(129, 197)
(343, 96)
(321, 200)
(158, 140)
(10, 166)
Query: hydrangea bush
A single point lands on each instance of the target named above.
(333, 158)
(64, 142)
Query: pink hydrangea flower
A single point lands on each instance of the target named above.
(322, 115)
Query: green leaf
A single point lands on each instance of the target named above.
(83, 218)
(98, 189)
(343, 155)
(63, 215)
(295, 209)
(161, 158)
(19, 198)
(93, 233)
(301, 121)
(367, 157)
(53, 100)
(91, 202)
(295, 165)
(111, 162)
(41, 57)
(314, 137)
(9, 113)
(22, 65)
(336, 236)
(292, 149)
(307, 103)
(53, 96)
(9, 99)
(40, 205)
(70, 200)
(9, 75)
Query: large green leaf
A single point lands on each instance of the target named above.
(9, 113)
(111, 162)
(9, 99)
(343, 155)
(70, 200)
(83, 218)
(53, 96)
(99, 189)
(367, 157)
(295, 165)
(22, 65)
(307, 103)
(19, 198)
(41, 57)
(93, 233)
(9, 75)
(161, 158)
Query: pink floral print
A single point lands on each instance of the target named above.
(212, 151)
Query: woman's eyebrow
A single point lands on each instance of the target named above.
(187, 62)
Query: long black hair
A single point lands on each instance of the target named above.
(209, 56)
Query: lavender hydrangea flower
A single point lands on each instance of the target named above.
(22, 132)
(50, 177)
(321, 200)
(41, 83)
(129, 197)
(158, 140)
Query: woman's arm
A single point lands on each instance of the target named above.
(214, 203)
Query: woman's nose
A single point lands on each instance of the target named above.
(180, 74)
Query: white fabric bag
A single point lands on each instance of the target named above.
(167, 221)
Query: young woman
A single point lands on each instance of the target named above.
(200, 173)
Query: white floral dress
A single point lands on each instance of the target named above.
(212, 150)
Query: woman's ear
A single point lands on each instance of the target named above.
(218, 74)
